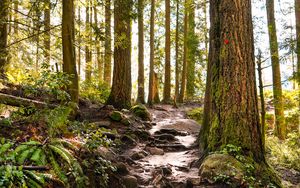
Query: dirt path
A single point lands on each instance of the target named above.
(168, 159)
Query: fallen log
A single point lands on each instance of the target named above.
(23, 102)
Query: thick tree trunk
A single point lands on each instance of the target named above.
(47, 34)
(156, 90)
(185, 51)
(16, 17)
(141, 79)
(151, 71)
(297, 15)
(120, 96)
(107, 52)
(192, 47)
(69, 58)
(79, 43)
(177, 53)
(3, 37)
(167, 84)
(88, 57)
(98, 55)
(231, 102)
(280, 127)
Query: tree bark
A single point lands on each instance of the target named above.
(99, 61)
(16, 18)
(79, 43)
(167, 84)
(107, 52)
(297, 15)
(185, 51)
(151, 71)
(3, 37)
(69, 58)
(231, 103)
(120, 96)
(47, 34)
(177, 53)
(280, 127)
(141, 77)
(88, 57)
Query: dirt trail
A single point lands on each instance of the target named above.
(169, 159)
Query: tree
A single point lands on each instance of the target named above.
(141, 79)
(177, 52)
(120, 96)
(3, 37)
(99, 61)
(88, 54)
(280, 127)
(167, 84)
(151, 71)
(107, 52)
(297, 15)
(47, 28)
(185, 48)
(231, 108)
(68, 37)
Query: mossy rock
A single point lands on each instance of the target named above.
(116, 116)
(226, 169)
(126, 121)
(141, 111)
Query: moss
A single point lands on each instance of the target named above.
(141, 111)
(116, 116)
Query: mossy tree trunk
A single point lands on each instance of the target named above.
(141, 77)
(79, 42)
(69, 58)
(297, 15)
(107, 50)
(231, 105)
(167, 84)
(120, 96)
(97, 45)
(47, 26)
(88, 56)
(3, 37)
(280, 127)
(151, 68)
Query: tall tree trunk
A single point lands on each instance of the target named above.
(297, 15)
(3, 37)
(47, 28)
(16, 18)
(141, 77)
(232, 102)
(107, 45)
(167, 84)
(79, 42)
(177, 53)
(88, 58)
(120, 95)
(192, 47)
(69, 58)
(280, 127)
(185, 51)
(99, 62)
(156, 88)
(151, 69)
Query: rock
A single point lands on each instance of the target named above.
(165, 136)
(155, 151)
(139, 155)
(105, 124)
(127, 140)
(126, 121)
(106, 153)
(116, 116)
(166, 170)
(130, 182)
(121, 168)
(108, 107)
(142, 134)
(125, 111)
(141, 111)
(172, 147)
(110, 135)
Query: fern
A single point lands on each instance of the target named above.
(5, 147)
(25, 155)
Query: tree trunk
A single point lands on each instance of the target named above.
(47, 34)
(167, 84)
(16, 18)
(3, 37)
(99, 62)
(156, 90)
(107, 52)
(177, 53)
(88, 57)
(297, 15)
(280, 127)
(192, 47)
(151, 71)
(184, 65)
(79, 43)
(141, 79)
(120, 96)
(231, 103)
(68, 37)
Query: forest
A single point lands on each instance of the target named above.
(149, 93)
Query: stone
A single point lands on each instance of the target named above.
(130, 181)
(116, 116)
(172, 147)
(127, 140)
(171, 131)
(122, 168)
(126, 121)
(106, 153)
(139, 155)
(142, 134)
(109, 107)
(105, 124)
(166, 170)
(165, 136)
(142, 112)
(155, 151)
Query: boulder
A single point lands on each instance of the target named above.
(155, 151)
(130, 181)
(122, 168)
(116, 116)
(141, 111)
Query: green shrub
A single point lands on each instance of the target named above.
(95, 91)
(196, 114)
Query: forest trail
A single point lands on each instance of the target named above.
(171, 157)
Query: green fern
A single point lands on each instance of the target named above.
(5, 147)
(26, 154)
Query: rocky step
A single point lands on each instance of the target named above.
(172, 147)
(171, 131)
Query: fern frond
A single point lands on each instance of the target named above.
(58, 171)
(34, 176)
(5, 147)
(25, 155)
(36, 156)
(64, 153)
(65, 143)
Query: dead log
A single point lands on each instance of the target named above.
(23, 102)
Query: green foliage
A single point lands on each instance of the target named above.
(284, 153)
(196, 114)
(95, 91)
